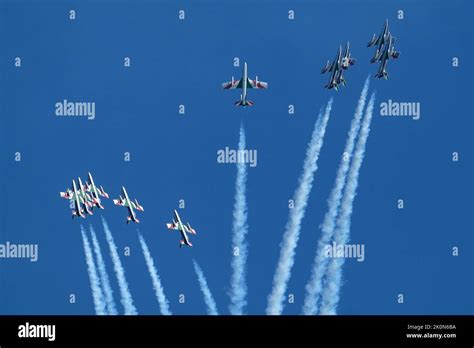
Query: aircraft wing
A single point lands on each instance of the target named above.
(381, 57)
(376, 40)
(256, 84)
(328, 67)
(172, 226)
(121, 202)
(232, 84)
(72, 196)
(67, 195)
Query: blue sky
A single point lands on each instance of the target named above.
(174, 157)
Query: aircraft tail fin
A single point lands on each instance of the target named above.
(383, 74)
(244, 103)
(331, 86)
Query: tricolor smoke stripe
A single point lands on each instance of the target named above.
(127, 300)
(238, 286)
(208, 298)
(318, 269)
(155, 278)
(293, 227)
(104, 277)
(330, 297)
(97, 295)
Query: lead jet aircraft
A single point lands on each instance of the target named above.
(388, 53)
(78, 199)
(96, 192)
(125, 201)
(183, 229)
(379, 41)
(244, 83)
(336, 71)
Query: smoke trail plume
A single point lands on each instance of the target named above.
(318, 269)
(238, 286)
(210, 303)
(292, 231)
(330, 297)
(104, 277)
(155, 278)
(97, 295)
(127, 300)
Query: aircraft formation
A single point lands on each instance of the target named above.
(385, 50)
(88, 196)
(384, 44)
(341, 62)
(85, 197)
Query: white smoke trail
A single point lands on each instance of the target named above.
(104, 277)
(330, 297)
(238, 286)
(155, 278)
(318, 269)
(210, 303)
(127, 300)
(291, 235)
(97, 295)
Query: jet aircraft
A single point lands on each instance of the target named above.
(125, 201)
(379, 41)
(96, 192)
(340, 63)
(387, 54)
(244, 83)
(80, 201)
(183, 229)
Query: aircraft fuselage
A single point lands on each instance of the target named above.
(244, 83)
(77, 201)
(129, 205)
(182, 229)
